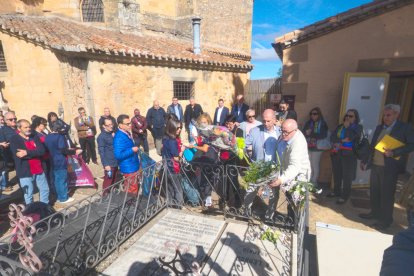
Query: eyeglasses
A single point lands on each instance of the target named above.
(286, 133)
(314, 114)
(109, 125)
(252, 116)
(127, 124)
(349, 116)
(12, 119)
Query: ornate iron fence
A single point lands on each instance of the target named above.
(77, 238)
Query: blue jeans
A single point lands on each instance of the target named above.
(3, 181)
(61, 184)
(27, 184)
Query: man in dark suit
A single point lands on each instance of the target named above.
(220, 114)
(192, 111)
(239, 110)
(385, 166)
(176, 109)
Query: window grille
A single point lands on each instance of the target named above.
(3, 66)
(92, 11)
(183, 90)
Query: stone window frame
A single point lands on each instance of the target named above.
(3, 64)
(183, 89)
(92, 11)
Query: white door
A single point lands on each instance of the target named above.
(365, 92)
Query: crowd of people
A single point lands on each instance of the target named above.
(38, 150)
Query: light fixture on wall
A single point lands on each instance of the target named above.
(61, 111)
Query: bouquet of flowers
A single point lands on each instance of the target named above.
(268, 234)
(297, 188)
(258, 176)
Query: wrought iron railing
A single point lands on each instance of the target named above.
(77, 238)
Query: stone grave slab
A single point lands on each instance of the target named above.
(240, 251)
(193, 235)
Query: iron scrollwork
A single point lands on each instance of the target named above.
(23, 234)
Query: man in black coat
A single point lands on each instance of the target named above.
(156, 124)
(176, 109)
(106, 152)
(220, 114)
(385, 166)
(239, 110)
(107, 115)
(6, 133)
(192, 111)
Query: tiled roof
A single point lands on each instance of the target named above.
(339, 21)
(74, 37)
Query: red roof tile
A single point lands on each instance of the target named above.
(69, 36)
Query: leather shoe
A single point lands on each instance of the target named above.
(381, 226)
(367, 216)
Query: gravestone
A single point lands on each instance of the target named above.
(240, 251)
(193, 235)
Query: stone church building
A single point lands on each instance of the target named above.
(121, 54)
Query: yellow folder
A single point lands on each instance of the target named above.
(390, 143)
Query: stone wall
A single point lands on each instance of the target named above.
(33, 83)
(314, 70)
(123, 87)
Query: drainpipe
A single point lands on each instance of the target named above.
(196, 35)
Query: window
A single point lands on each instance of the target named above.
(3, 66)
(183, 90)
(92, 11)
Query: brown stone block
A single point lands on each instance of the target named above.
(300, 90)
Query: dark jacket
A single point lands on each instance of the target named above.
(58, 149)
(222, 119)
(240, 116)
(171, 110)
(6, 133)
(127, 159)
(402, 132)
(23, 166)
(138, 123)
(106, 149)
(353, 132)
(290, 114)
(156, 118)
(317, 134)
(398, 259)
(102, 121)
(192, 113)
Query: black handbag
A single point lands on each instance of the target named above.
(361, 147)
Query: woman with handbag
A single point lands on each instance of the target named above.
(344, 160)
(316, 132)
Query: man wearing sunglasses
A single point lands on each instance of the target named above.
(6, 133)
(126, 152)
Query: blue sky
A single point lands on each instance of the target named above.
(273, 18)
